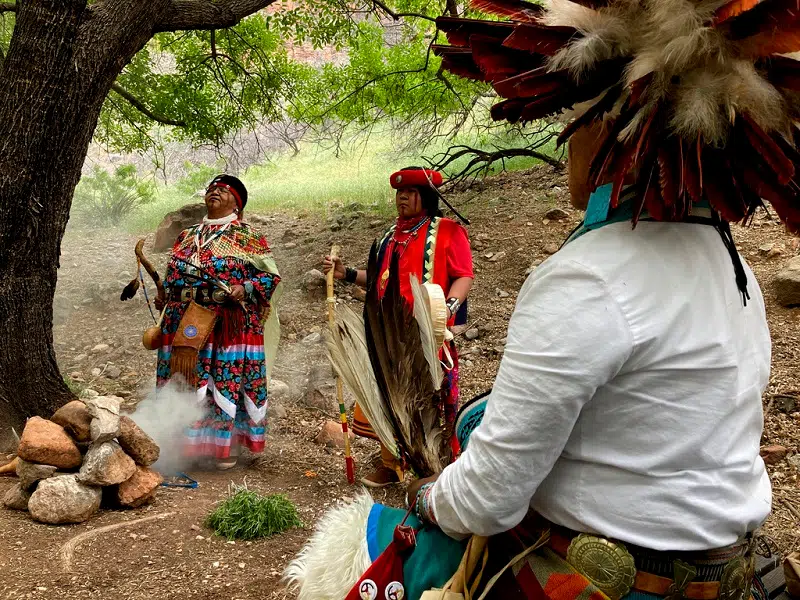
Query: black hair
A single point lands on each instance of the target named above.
(428, 195)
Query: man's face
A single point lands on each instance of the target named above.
(408, 202)
(219, 201)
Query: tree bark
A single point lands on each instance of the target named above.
(63, 58)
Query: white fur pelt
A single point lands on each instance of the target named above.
(336, 556)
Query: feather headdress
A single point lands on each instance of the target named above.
(698, 95)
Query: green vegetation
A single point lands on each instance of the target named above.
(105, 198)
(323, 180)
(247, 515)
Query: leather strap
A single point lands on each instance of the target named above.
(647, 582)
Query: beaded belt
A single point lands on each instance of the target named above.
(615, 569)
(201, 295)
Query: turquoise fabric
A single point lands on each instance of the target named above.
(430, 565)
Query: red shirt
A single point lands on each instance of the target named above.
(452, 256)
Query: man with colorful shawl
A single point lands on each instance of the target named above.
(434, 249)
(223, 271)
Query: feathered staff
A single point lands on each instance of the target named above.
(403, 373)
(152, 335)
(699, 100)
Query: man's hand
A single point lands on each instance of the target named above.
(413, 488)
(336, 264)
(237, 293)
(158, 303)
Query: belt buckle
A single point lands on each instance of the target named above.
(186, 294)
(608, 565)
(218, 296)
(737, 578)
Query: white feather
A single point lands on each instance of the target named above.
(336, 556)
(422, 314)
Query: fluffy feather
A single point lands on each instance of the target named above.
(347, 349)
(336, 556)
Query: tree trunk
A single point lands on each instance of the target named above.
(61, 63)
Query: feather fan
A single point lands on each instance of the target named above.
(422, 315)
(347, 350)
(402, 373)
(690, 90)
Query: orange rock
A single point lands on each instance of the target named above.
(331, 435)
(47, 443)
(140, 488)
(75, 419)
(773, 454)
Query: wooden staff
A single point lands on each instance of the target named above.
(348, 458)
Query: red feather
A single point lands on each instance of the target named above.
(516, 10)
(771, 27)
(666, 182)
(458, 31)
(459, 61)
(784, 72)
(510, 110)
(539, 39)
(535, 82)
(768, 149)
(733, 8)
(498, 62)
(596, 111)
(692, 178)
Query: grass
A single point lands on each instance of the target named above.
(320, 181)
(247, 515)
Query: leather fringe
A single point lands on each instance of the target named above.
(230, 325)
(184, 362)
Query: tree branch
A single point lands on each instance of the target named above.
(207, 14)
(138, 105)
(8, 7)
(397, 16)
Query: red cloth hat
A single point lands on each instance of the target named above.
(415, 178)
(384, 578)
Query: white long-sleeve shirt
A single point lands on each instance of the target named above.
(628, 400)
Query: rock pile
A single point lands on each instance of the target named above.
(84, 454)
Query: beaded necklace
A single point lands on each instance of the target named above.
(413, 231)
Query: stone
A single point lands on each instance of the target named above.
(74, 417)
(557, 214)
(775, 252)
(276, 411)
(312, 338)
(80, 357)
(17, 498)
(30, 473)
(113, 372)
(63, 499)
(45, 442)
(331, 435)
(106, 464)
(290, 245)
(100, 348)
(175, 222)
(766, 248)
(472, 334)
(794, 460)
(773, 453)
(104, 411)
(501, 293)
(314, 282)
(497, 257)
(787, 283)
(96, 372)
(550, 248)
(140, 488)
(359, 294)
(136, 443)
(321, 387)
(278, 389)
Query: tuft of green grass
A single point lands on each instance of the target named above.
(74, 387)
(247, 515)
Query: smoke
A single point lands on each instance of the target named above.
(164, 415)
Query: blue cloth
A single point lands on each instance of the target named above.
(433, 561)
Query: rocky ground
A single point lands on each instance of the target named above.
(172, 554)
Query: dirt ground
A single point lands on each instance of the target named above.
(174, 555)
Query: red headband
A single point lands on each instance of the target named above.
(415, 178)
(229, 188)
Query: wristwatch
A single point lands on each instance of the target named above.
(452, 305)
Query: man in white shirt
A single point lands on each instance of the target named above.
(628, 401)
